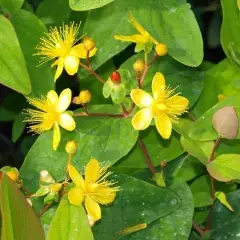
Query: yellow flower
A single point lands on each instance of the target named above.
(143, 38)
(164, 107)
(59, 44)
(51, 114)
(93, 190)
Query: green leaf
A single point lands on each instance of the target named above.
(104, 138)
(18, 126)
(223, 200)
(226, 224)
(54, 12)
(118, 93)
(230, 38)
(188, 81)
(13, 67)
(107, 88)
(29, 31)
(225, 167)
(162, 19)
(137, 202)
(158, 149)
(70, 223)
(11, 6)
(19, 220)
(84, 5)
(202, 129)
(174, 226)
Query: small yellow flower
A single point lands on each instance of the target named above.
(51, 114)
(164, 107)
(93, 190)
(143, 38)
(59, 44)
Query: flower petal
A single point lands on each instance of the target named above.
(177, 104)
(76, 177)
(66, 121)
(141, 98)
(56, 136)
(136, 38)
(64, 100)
(158, 85)
(71, 64)
(92, 171)
(60, 64)
(142, 119)
(79, 51)
(164, 125)
(75, 196)
(52, 97)
(93, 208)
(93, 52)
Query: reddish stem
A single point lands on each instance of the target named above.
(44, 209)
(198, 229)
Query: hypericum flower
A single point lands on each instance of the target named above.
(93, 190)
(52, 114)
(164, 107)
(59, 44)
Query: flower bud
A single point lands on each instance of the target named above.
(84, 96)
(115, 77)
(55, 187)
(139, 65)
(221, 97)
(226, 123)
(159, 179)
(11, 173)
(88, 43)
(76, 100)
(161, 49)
(71, 147)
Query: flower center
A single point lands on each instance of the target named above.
(158, 108)
(62, 48)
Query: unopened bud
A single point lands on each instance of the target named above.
(139, 65)
(115, 77)
(11, 173)
(161, 49)
(159, 179)
(76, 100)
(221, 97)
(225, 121)
(55, 188)
(88, 43)
(85, 96)
(71, 147)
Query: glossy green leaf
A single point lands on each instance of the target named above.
(70, 223)
(29, 30)
(84, 5)
(19, 219)
(225, 167)
(158, 149)
(138, 202)
(11, 6)
(174, 226)
(18, 126)
(13, 67)
(226, 224)
(118, 93)
(97, 138)
(223, 200)
(107, 88)
(162, 19)
(203, 130)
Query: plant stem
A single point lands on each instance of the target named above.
(147, 157)
(44, 209)
(198, 228)
(214, 149)
(89, 69)
(125, 111)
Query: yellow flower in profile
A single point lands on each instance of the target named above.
(59, 44)
(51, 114)
(164, 107)
(93, 190)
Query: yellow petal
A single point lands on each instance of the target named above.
(80, 51)
(92, 171)
(75, 196)
(93, 52)
(142, 119)
(136, 38)
(158, 85)
(76, 177)
(141, 98)
(66, 121)
(136, 24)
(56, 136)
(93, 208)
(64, 100)
(177, 104)
(60, 64)
(52, 97)
(164, 125)
(71, 64)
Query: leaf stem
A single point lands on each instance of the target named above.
(89, 69)
(147, 157)
(198, 228)
(43, 210)
(214, 149)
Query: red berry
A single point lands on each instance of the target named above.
(115, 77)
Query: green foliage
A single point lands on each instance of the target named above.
(11, 6)
(83, 5)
